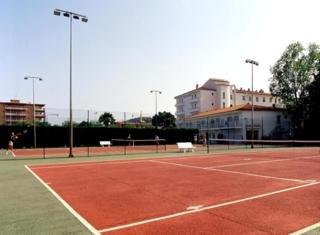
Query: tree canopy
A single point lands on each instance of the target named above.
(107, 119)
(312, 106)
(165, 120)
(291, 77)
(293, 72)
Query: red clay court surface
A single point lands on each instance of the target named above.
(274, 192)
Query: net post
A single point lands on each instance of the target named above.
(44, 136)
(207, 140)
(88, 131)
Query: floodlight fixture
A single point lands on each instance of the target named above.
(57, 13)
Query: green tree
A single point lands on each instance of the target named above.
(291, 75)
(43, 124)
(312, 105)
(165, 120)
(107, 119)
(67, 124)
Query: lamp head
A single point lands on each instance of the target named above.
(56, 12)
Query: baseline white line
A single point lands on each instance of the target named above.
(71, 210)
(262, 162)
(307, 229)
(233, 172)
(204, 208)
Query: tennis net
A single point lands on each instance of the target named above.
(238, 144)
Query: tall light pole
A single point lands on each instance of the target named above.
(156, 92)
(252, 62)
(34, 109)
(84, 19)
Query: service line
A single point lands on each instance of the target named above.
(182, 213)
(232, 172)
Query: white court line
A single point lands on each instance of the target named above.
(204, 208)
(72, 211)
(84, 163)
(307, 229)
(233, 172)
(262, 162)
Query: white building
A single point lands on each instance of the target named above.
(223, 110)
(235, 122)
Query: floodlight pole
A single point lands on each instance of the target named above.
(71, 15)
(156, 104)
(34, 109)
(252, 62)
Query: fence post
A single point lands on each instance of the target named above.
(88, 130)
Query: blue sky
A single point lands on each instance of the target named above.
(130, 47)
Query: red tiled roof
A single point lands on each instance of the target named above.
(242, 107)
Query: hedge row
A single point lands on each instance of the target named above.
(59, 136)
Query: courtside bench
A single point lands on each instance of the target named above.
(185, 146)
(105, 143)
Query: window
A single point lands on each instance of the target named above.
(223, 104)
(212, 93)
(250, 98)
(243, 97)
(257, 99)
(212, 104)
(223, 95)
(263, 99)
(230, 97)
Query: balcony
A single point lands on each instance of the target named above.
(15, 108)
(39, 116)
(180, 113)
(194, 109)
(15, 114)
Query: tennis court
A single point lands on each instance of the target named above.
(263, 192)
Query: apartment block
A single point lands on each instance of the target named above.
(15, 112)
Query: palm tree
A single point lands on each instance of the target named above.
(107, 119)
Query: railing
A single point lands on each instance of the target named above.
(15, 108)
(15, 114)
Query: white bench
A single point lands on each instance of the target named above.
(105, 143)
(185, 146)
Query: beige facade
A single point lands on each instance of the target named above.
(14, 112)
(218, 94)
